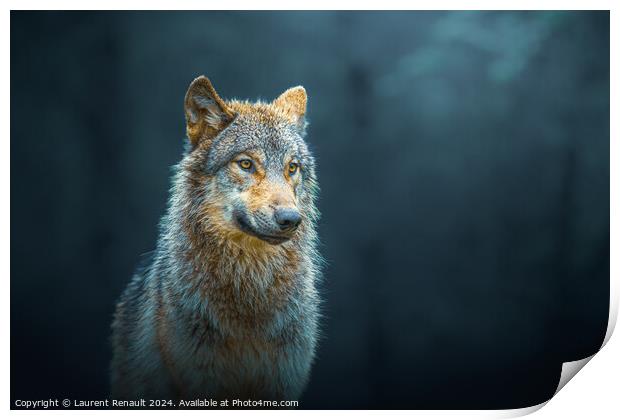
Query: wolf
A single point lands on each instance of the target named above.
(228, 306)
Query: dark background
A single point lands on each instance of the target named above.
(463, 160)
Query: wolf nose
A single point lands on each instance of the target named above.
(287, 218)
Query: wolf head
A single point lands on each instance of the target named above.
(251, 172)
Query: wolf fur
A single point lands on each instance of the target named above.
(225, 309)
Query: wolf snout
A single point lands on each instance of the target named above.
(287, 218)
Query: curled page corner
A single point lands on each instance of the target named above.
(569, 370)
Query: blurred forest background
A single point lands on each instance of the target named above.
(464, 164)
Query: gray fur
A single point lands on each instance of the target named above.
(207, 353)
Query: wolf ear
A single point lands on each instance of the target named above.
(206, 114)
(293, 102)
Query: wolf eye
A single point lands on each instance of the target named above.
(292, 168)
(245, 164)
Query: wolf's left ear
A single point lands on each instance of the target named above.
(293, 103)
(206, 113)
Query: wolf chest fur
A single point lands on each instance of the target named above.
(227, 306)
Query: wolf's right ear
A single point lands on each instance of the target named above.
(206, 114)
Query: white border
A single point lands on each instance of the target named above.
(593, 395)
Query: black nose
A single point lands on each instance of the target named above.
(287, 218)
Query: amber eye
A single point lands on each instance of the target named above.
(292, 168)
(245, 164)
